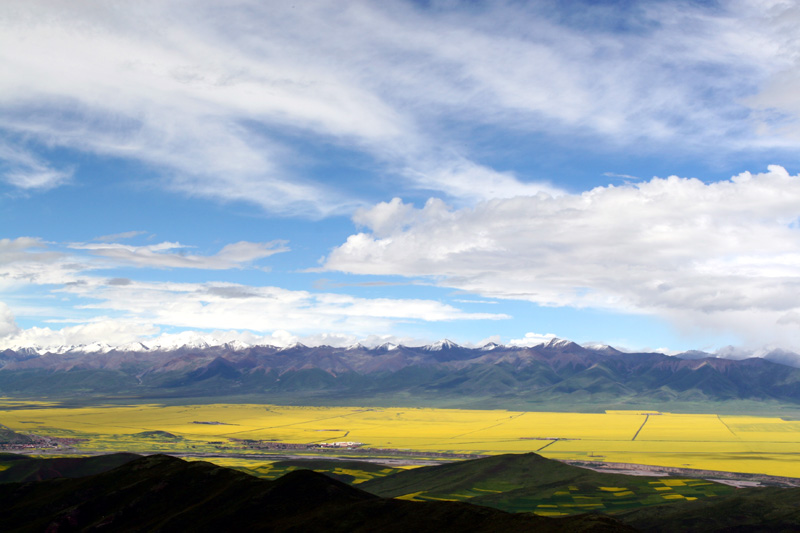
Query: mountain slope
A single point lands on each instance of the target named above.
(9, 436)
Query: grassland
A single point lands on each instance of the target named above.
(763, 445)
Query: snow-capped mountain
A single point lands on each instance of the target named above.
(558, 368)
(387, 347)
(197, 343)
(438, 346)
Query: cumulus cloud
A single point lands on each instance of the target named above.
(216, 100)
(724, 255)
(114, 332)
(172, 254)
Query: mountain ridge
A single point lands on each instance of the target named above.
(556, 371)
(775, 355)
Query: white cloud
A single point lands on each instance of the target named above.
(8, 325)
(119, 333)
(269, 313)
(234, 306)
(114, 332)
(532, 339)
(470, 182)
(723, 255)
(162, 255)
(27, 260)
(116, 309)
(215, 99)
(26, 171)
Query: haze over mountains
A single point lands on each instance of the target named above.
(557, 371)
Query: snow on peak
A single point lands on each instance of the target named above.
(444, 344)
(559, 343)
(600, 347)
(293, 346)
(387, 346)
(95, 347)
(490, 346)
(133, 347)
(236, 344)
(29, 350)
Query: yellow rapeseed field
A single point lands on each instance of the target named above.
(705, 441)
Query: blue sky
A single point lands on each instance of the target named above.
(613, 172)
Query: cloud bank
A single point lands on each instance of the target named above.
(723, 255)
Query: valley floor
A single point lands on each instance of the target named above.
(726, 443)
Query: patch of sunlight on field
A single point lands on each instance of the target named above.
(239, 463)
(727, 443)
(10, 402)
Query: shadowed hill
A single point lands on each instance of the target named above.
(766, 510)
(25, 468)
(160, 493)
(517, 482)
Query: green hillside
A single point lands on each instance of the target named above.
(353, 472)
(529, 482)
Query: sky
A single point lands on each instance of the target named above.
(326, 172)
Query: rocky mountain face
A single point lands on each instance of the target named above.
(555, 371)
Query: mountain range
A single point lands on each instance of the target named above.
(559, 371)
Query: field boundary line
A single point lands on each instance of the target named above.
(728, 427)
(548, 444)
(646, 418)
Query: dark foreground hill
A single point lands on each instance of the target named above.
(557, 373)
(160, 493)
(764, 510)
(22, 468)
